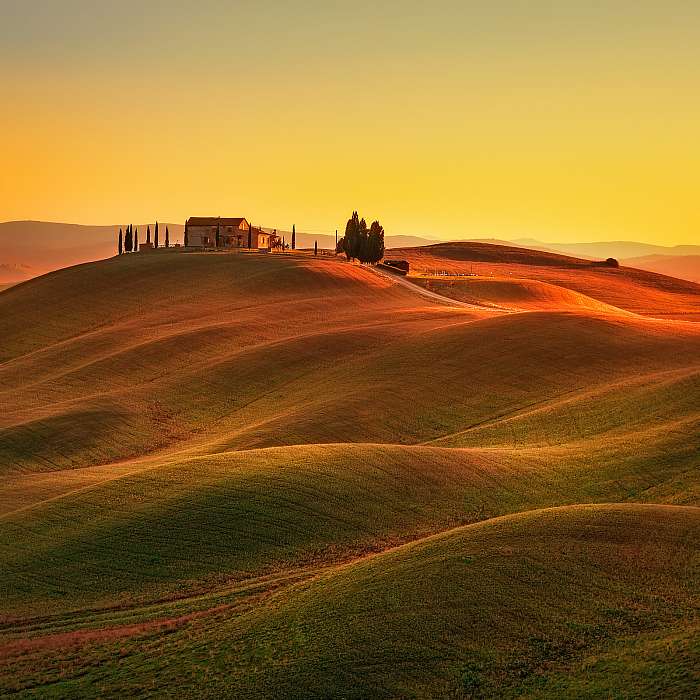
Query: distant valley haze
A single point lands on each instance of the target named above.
(31, 248)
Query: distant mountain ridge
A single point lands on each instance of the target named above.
(44, 246)
(686, 267)
(682, 261)
(305, 239)
(30, 248)
(610, 249)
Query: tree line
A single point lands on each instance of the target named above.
(129, 239)
(362, 243)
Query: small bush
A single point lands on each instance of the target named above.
(471, 677)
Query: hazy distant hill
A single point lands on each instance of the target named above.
(40, 246)
(31, 248)
(684, 266)
(11, 273)
(610, 249)
(306, 240)
(44, 246)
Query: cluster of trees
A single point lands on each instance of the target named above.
(362, 243)
(280, 243)
(129, 238)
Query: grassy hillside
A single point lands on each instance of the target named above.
(210, 519)
(598, 600)
(123, 374)
(283, 345)
(288, 475)
(533, 599)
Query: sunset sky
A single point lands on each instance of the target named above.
(563, 121)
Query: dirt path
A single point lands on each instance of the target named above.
(416, 289)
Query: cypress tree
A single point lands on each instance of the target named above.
(380, 242)
(218, 232)
(315, 247)
(136, 241)
(155, 237)
(375, 243)
(128, 241)
(167, 238)
(294, 237)
(250, 236)
(121, 242)
(186, 239)
(356, 240)
(363, 240)
(148, 233)
(352, 240)
(349, 237)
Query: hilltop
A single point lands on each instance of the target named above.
(272, 472)
(31, 248)
(37, 247)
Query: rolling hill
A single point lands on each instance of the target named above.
(284, 475)
(633, 290)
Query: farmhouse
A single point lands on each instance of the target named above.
(225, 232)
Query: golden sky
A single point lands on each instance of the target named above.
(564, 121)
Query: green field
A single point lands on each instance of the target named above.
(288, 476)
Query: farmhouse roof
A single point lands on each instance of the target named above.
(214, 220)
